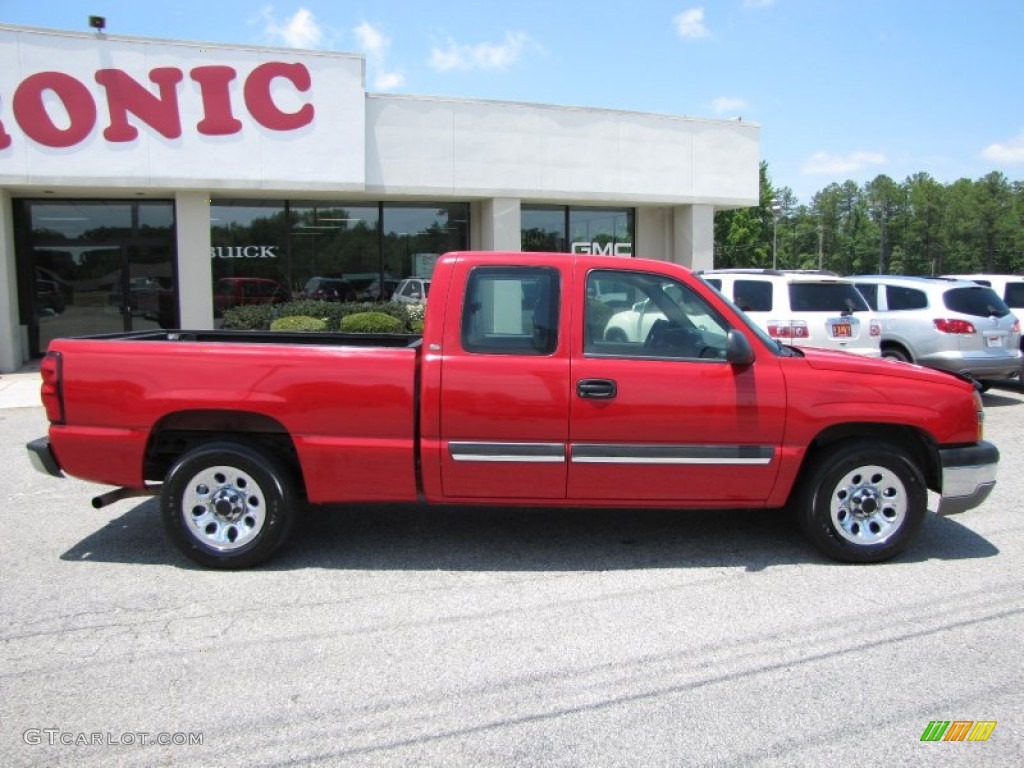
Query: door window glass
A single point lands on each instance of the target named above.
(667, 319)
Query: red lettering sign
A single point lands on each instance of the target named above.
(31, 115)
(159, 111)
(213, 85)
(261, 104)
(124, 95)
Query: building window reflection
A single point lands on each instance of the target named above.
(577, 229)
(331, 249)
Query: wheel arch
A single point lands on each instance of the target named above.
(897, 346)
(178, 433)
(919, 445)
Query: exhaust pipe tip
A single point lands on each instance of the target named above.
(108, 498)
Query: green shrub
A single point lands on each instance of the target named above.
(330, 311)
(249, 317)
(372, 322)
(258, 317)
(299, 323)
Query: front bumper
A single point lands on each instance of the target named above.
(968, 476)
(42, 457)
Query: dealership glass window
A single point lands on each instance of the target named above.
(95, 266)
(371, 246)
(414, 235)
(249, 239)
(543, 228)
(576, 229)
(334, 240)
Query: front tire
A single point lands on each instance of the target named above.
(227, 505)
(862, 502)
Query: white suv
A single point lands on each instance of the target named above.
(953, 325)
(807, 309)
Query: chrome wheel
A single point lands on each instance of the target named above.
(224, 507)
(862, 500)
(227, 504)
(868, 505)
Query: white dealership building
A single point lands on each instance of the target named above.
(148, 183)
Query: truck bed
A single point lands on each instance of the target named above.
(345, 404)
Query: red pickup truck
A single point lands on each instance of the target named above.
(515, 395)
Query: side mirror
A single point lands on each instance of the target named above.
(738, 350)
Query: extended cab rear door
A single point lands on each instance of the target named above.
(503, 389)
(663, 416)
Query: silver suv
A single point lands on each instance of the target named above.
(953, 325)
(806, 309)
(1010, 289)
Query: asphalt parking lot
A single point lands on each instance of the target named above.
(398, 636)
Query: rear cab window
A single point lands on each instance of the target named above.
(511, 311)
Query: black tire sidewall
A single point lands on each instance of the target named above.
(896, 354)
(813, 510)
(273, 482)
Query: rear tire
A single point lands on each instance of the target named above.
(861, 501)
(227, 505)
(895, 353)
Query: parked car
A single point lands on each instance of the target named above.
(49, 298)
(328, 289)
(953, 325)
(412, 290)
(235, 291)
(804, 309)
(636, 324)
(377, 291)
(1010, 289)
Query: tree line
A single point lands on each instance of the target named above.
(916, 227)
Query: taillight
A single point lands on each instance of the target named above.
(788, 329)
(961, 327)
(980, 408)
(51, 391)
(1016, 326)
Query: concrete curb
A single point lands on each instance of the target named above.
(21, 389)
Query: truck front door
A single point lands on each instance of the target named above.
(658, 414)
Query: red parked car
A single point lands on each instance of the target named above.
(234, 291)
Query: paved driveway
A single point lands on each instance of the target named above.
(396, 636)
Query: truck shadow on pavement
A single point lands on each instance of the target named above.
(412, 537)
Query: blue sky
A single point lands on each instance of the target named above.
(842, 89)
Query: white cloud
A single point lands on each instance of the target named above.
(371, 40)
(1009, 153)
(728, 105)
(375, 44)
(480, 56)
(690, 24)
(388, 81)
(825, 163)
(300, 31)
